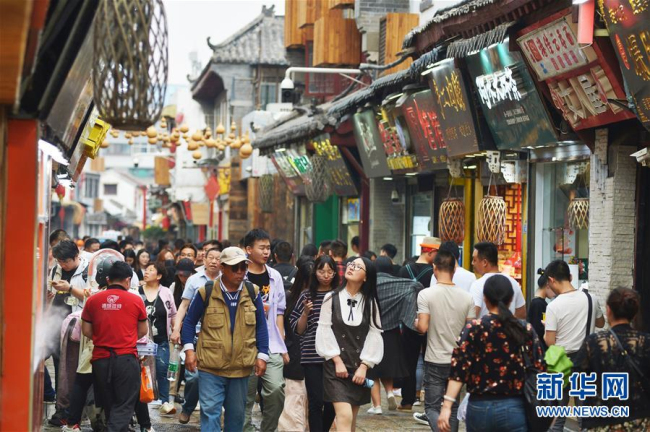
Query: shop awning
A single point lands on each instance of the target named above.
(301, 124)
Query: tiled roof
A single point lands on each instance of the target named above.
(259, 42)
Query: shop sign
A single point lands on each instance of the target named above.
(369, 144)
(509, 100)
(553, 49)
(450, 99)
(398, 158)
(224, 176)
(339, 174)
(424, 130)
(627, 22)
(293, 181)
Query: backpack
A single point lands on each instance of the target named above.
(422, 273)
(252, 293)
(288, 280)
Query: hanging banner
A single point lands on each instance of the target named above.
(509, 100)
(553, 49)
(399, 159)
(424, 130)
(293, 181)
(580, 79)
(339, 174)
(451, 102)
(627, 22)
(369, 144)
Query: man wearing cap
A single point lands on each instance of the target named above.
(233, 342)
(419, 271)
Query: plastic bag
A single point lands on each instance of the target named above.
(462, 408)
(146, 385)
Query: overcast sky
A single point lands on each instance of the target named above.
(190, 22)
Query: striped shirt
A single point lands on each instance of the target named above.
(308, 338)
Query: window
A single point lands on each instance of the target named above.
(268, 94)
(110, 189)
(91, 186)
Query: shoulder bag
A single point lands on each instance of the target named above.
(535, 423)
(632, 365)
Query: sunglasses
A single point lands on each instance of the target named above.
(241, 267)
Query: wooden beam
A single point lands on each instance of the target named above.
(15, 18)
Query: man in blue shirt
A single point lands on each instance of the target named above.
(233, 342)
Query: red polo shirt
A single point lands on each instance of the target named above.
(114, 314)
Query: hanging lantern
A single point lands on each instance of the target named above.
(319, 188)
(192, 145)
(115, 133)
(163, 123)
(236, 143)
(210, 143)
(221, 145)
(197, 155)
(128, 135)
(451, 223)
(579, 213)
(246, 151)
(197, 136)
(130, 141)
(151, 132)
(221, 129)
(186, 136)
(130, 62)
(208, 133)
(491, 220)
(233, 126)
(266, 185)
(185, 128)
(104, 144)
(153, 141)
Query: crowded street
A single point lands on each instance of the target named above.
(324, 215)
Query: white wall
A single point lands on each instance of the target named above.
(128, 201)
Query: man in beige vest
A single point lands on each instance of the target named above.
(233, 342)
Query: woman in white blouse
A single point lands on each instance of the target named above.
(349, 338)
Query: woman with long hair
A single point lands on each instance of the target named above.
(349, 338)
(304, 322)
(167, 258)
(294, 415)
(141, 261)
(129, 257)
(614, 351)
(490, 360)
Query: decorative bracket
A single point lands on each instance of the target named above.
(493, 161)
(455, 167)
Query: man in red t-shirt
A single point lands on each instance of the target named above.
(115, 319)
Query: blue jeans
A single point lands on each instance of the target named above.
(419, 374)
(191, 392)
(162, 364)
(215, 392)
(496, 415)
(435, 386)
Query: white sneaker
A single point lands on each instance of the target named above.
(156, 403)
(167, 409)
(392, 404)
(375, 410)
(417, 402)
(397, 392)
(198, 407)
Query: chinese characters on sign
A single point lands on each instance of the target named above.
(399, 158)
(508, 97)
(288, 173)
(456, 121)
(424, 129)
(369, 144)
(627, 22)
(339, 174)
(553, 49)
(614, 385)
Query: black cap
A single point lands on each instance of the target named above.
(185, 267)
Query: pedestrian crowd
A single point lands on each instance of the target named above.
(311, 338)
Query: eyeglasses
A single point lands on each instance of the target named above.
(355, 267)
(241, 267)
(324, 273)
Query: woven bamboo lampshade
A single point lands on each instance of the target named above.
(130, 62)
(452, 220)
(266, 193)
(579, 213)
(491, 220)
(319, 189)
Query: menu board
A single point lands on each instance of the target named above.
(627, 22)
(424, 130)
(553, 48)
(456, 121)
(339, 174)
(509, 100)
(369, 144)
(293, 181)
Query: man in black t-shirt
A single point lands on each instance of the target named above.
(283, 253)
(420, 271)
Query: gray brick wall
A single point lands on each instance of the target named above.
(387, 220)
(368, 13)
(612, 222)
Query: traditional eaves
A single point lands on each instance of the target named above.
(259, 42)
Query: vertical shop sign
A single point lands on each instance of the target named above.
(450, 99)
(399, 159)
(509, 99)
(339, 174)
(424, 130)
(627, 22)
(369, 144)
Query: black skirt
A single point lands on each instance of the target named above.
(393, 365)
(342, 390)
